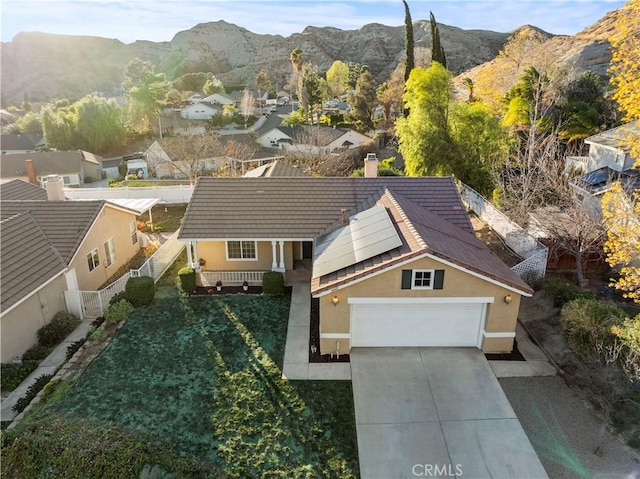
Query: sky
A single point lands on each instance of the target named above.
(160, 20)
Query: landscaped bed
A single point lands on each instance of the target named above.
(194, 383)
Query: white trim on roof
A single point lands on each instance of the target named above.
(439, 300)
(245, 238)
(46, 283)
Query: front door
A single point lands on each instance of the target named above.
(307, 250)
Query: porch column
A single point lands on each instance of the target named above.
(274, 261)
(281, 266)
(196, 258)
(189, 255)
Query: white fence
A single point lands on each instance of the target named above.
(168, 194)
(235, 278)
(91, 304)
(534, 254)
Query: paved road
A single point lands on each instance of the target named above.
(564, 432)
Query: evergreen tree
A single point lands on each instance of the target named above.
(408, 42)
(437, 51)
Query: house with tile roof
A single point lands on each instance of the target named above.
(50, 246)
(199, 111)
(19, 143)
(313, 139)
(394, 260)
(76, 167)
(274, 168)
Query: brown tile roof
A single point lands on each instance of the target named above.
(46, 163)
(21, 190)
(19, 142)
(423, 232)
(27, 257)
(303, 207)
(65, 223)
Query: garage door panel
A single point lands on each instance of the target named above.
(413, 325)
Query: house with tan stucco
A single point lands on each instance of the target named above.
(394, 260)
(49, 246)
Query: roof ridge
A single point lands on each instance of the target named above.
(405, 218)
(53, 247)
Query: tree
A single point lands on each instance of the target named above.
(263, 83)
(362, 102)
(409, 63)
(29, 124)
(26, 104)
(309, 90)
(355, 70)
(246, 105)
(385, 98)
(338, 77)
(213, 85)
(192, 154)
(468, 84)
(145, 89)
(625, 66)
(59, 128)
(437, 50)
(621, 211)
(192, 82)
(100, 124)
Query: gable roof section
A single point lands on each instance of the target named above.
(313, 134)
(303, 207)
(424, 233)
(46, 163)
(28, 258)
(65, 223)
(21, 190)
(275, 168)
(618, 138)
(19, 142)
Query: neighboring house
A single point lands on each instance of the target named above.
(273, 169)
(395, 260)
(312, 139)
(199, 111)
(76, 167)
(220, 99)
(50, 246)
(12, 144)
(176, 125)
(609, 160)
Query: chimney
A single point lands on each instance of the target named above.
(31, 173)
(371, 166)
(343, 216)
(54, 185)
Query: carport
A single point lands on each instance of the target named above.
(436, 412)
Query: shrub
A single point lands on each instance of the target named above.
(627, 333)
(96, 323)
(13, 374)
(32, 392)
(73, 347)
(59, 328)
(118, 311)
(37, 352)
(187, 280)
(587, 324)
(140, 291)
(564, 291)
(118, 297)
(273, 283)
(98, 335)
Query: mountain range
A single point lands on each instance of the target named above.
(48, 66)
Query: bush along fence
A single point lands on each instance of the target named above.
(91, 304)
(534, 254)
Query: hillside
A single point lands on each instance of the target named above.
(58, 66)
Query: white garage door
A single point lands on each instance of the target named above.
(416, 324)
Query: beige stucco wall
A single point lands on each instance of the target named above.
(501, 317)
(215, 255)
(92, 170)
(111, 223)
(19, 327)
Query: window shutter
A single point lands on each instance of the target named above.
(438, 279)
(406, 278)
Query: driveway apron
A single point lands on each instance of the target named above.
(436, 412)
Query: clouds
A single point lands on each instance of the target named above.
(160, 20)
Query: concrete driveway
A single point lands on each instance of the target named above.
(436, 412)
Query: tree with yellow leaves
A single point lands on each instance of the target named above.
(621, 212)
(625, 66)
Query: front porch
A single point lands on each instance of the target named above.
(301, 272)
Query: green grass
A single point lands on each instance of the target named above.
(165, 218)
(203, 375)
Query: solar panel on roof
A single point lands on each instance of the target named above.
(368, 234)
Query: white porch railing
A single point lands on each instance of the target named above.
(91, 304)
(534, 254)
(230, 278)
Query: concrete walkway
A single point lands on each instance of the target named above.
(436, 412)
(48, 366)
(296, 352)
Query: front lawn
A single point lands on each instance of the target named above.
(200, 377)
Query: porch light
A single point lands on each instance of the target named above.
(335, 300)
(507, 299)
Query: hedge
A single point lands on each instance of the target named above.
(273, 283)
(140, 291)
(187, 279)
(58, 329)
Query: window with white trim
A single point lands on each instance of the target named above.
(242, 250)
(422, 279)
(133, 231)
(93, 259)
(109, 252)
